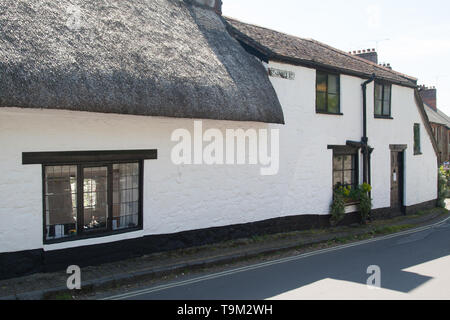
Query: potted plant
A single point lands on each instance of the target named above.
(344, 196)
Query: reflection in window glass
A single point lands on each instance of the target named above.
(60, 196)
(321, 101)
(125, 196)
(333, 103)
(322, 80)
(91, 199)
(327, 93)
(345, 170)
(333, 84)
(95, 198)
(382, 100)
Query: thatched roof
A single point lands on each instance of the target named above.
(142, 57)
(273, 45)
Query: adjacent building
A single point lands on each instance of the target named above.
(440, 122)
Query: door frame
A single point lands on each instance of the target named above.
(401, 150)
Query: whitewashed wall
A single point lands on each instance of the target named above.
(189, 197)
(316, 131)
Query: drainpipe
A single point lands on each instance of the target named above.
(365, 140)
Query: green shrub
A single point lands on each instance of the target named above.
(443, 188)
(343, 195)
(365, 205)
(338, 206)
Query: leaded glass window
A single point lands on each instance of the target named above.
(82, 200)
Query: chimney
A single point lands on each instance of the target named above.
(213, 4)
(369, 54)
(428, 95)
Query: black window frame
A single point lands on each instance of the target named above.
(383, 85)
(80, 202)
(417, 139)
(83, 159)
(346, 151)
(327, 74)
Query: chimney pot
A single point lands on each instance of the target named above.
(428, 95)
(367, 54)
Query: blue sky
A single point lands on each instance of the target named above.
(413, 36)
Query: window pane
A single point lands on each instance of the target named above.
(337, 163)
(95, 198)
(333, 103)
(60, 196)
(321, 82)
(416, 138)
(337, 179)
(386, 108)
(333, 84)
(348, 162)
(125, 196)
(344, 170)
(387, 100)
(378, 107)
(321, 101)
(387, 93)
(378, 91)
(348, 177)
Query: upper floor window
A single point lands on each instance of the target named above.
(383, 100)
(417, 147)
(327, 93)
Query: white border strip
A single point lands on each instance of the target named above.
(269, 263)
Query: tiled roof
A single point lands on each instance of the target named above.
(438, 116)
(275, 45)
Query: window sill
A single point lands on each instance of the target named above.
(92, 236)
(383, 117)
(418, 153)
(329, 113)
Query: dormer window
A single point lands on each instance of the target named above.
(383, 100)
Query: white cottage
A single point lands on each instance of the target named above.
(91, 98)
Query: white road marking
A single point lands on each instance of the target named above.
(269, 263)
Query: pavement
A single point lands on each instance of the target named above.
(154, 267)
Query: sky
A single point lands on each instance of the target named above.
(413, 36)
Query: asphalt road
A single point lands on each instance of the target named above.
(412, 265)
